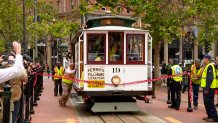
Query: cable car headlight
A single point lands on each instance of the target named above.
(116, 80)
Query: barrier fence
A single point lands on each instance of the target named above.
(30, 95)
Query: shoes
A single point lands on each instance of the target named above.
(211, 120)
(195, 107)
(206, 118)
(177, 108)
(168, 102)
(55, 95)
(171, 106)
(60, 103)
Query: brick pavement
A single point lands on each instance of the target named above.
(48, 110)
(159, 108)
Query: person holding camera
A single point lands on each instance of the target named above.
(9, 73)
(16, 84)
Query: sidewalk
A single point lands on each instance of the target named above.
(159, 108)
(48, 109)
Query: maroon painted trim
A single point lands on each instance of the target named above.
(122, 45)
(143, 48)
(96, 62)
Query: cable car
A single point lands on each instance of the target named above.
(112, 58)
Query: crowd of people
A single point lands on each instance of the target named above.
(15, 69)
(202, 74)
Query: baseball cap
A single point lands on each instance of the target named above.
(207, 56)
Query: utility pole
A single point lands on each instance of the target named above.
(35, 20)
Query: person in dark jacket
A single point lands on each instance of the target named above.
(208, 83)
(175, 86)
(169, 81)
(164, 73)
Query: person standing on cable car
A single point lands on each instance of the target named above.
(175, 87)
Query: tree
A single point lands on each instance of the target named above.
(164, 18)
(203, 14)
(161, 17)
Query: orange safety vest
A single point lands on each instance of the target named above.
(58, 73)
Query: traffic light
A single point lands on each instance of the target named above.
(207, 47)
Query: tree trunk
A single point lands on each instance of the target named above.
(195, 50)
(166, 57)
(48, 49)
(157, 60)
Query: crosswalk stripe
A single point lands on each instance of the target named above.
(172, 120)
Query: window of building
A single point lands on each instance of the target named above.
(115, 48)
(128, 10)
(96, 48)
(72, 4)
(135, 44)
(103, 8)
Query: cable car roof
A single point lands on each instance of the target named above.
(114, 28)
(109, 21)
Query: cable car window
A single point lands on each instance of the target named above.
(115, 48)
(96, 48)
(135, 48)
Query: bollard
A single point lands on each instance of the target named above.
(21, 115)
(35, 93)
(189, 109)
(31, 94)
(6, 96)
(27, 104)
(41, 79)
(153, 91)
(153, 87)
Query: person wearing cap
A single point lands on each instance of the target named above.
(176, 80)
(196, 71)
(208, 83)
(216, 67)
(59, 72)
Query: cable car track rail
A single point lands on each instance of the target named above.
(85, 115)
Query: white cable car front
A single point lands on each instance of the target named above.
(114, 61)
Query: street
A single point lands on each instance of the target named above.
(157, 111)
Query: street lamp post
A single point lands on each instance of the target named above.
(64, 49)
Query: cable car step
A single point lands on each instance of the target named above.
(76, 98)
(115, 107)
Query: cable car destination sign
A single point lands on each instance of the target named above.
(96, 76)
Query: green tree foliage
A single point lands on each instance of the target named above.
(203, 14)
(11, 22)
(165, 18)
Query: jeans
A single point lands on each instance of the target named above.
(16, 111)
(195, 88)
(209, 103)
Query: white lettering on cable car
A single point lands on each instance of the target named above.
(96, 77)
